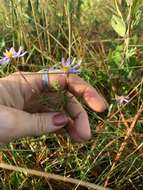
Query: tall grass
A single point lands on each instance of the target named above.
(50, 30)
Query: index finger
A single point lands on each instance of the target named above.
(78, 87)
(92, 98)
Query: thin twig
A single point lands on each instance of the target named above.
(137, 147)
(52, 176)
(124, 143)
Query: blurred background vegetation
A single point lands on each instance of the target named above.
(108, 36)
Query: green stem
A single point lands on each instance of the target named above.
(69, 10)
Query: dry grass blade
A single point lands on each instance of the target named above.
(52, 176)
(137, 147)
(123, 144)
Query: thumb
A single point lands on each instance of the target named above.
(47, 122)
(15, 123)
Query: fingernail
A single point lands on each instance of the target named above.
(60, 119)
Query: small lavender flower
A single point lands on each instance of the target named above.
(10, 54)
(69, 66)
(122, 99)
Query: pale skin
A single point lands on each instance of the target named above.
(16, 97)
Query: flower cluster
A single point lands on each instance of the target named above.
(10, 54)
(69, 66)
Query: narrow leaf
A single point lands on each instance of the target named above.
(118, 25)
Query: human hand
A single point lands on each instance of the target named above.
(19, 106)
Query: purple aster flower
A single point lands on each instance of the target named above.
(10, 54)
(69, 66)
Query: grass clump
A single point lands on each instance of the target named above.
(108, 37)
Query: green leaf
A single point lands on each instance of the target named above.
(118, 25)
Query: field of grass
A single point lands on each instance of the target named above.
(108, 36)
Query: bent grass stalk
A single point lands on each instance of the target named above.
(27, 171)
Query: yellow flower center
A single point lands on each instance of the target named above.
(8, 54)
(66, 69)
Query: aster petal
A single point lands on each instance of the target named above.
(19, 51)
(17, 54)
(72, 70)
(63, 61)
(68, 62)
(12, 50)
(22, 54)
(4, 60)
